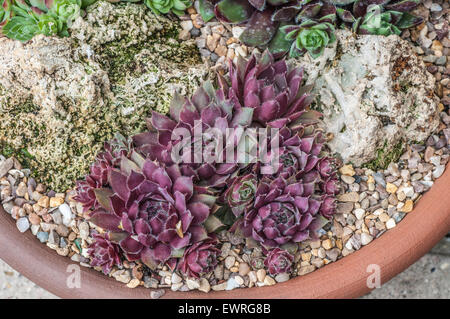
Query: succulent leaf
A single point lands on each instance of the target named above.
(233, 11)
(260, 29)
(206, 9)
(403, 6)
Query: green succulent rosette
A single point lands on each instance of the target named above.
(165, 6)
(48, 17)
(48, 25)
(309, 36)
(66, 10)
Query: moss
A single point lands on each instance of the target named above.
(385, 157)
(144, 65)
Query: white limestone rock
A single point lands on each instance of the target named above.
(374, 93)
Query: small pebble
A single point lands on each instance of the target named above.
(23, 224)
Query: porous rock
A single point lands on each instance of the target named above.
(374, 92)
(61, 98)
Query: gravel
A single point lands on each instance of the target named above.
(369, 204)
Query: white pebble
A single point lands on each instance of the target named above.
(409, 191)
(282, 277)
(438, 171)
(23, 224)
(390, 223)
(359, 213)
(239, 280)
(176, 279)
(187, 25)
(232, 284)
(229, 262)
(67, 214)
(192, 283)
(365, 238)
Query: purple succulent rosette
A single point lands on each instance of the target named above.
(207, 111)
(298, 159)
(159, 210)
(153, 212)
(240, 195)
(199, 259)
(278, 261)
(284, 211)
(104, 253)
(99, 172)
(273, 89)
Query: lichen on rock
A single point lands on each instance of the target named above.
(375, 94)
(62, 98)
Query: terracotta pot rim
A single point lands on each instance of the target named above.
(391, 253)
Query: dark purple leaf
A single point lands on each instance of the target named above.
(310, 10)
(118, 182)
(260, 29)
(105, 220)
(285, 13)
(360, 6)
(341, 2)
(277, 2)
(403, 6)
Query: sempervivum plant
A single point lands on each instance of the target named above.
(99, 171)
(380, 17)
(284, 211)
(152, 212)
(165, 6)
(104, 253)
(48, 17)
(160, 207)
(297, 158)
(262, 17)
(207, 111)
(313, 31)
(278, 261)
(200, 258)
(272, 89)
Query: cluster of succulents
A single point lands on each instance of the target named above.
(377, 17)
(296, 27)
(23, 19)
(159, 209)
